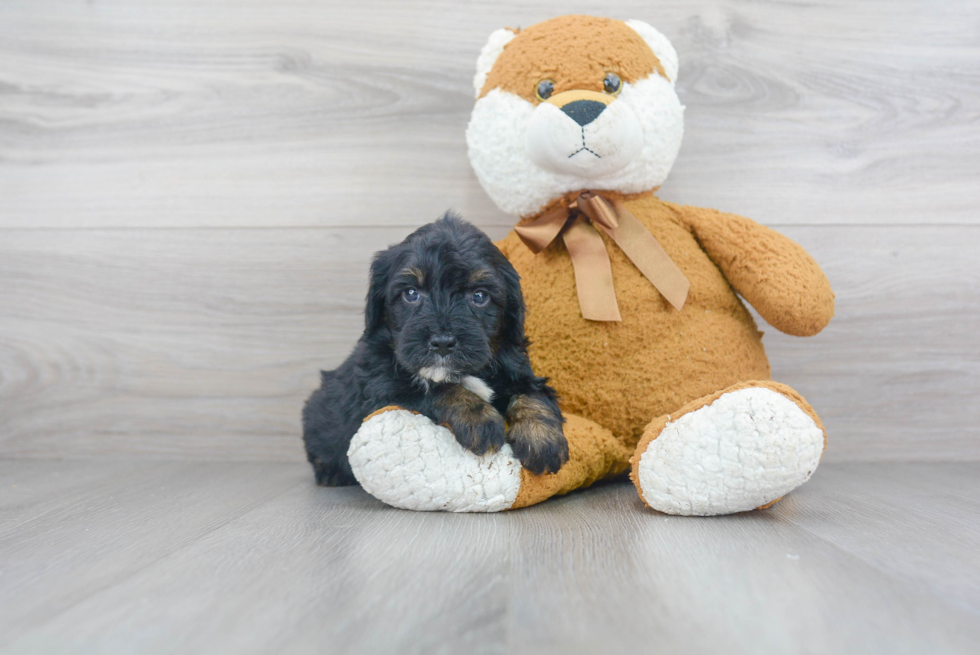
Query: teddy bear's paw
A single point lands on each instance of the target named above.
(405, 460)
(746, 449)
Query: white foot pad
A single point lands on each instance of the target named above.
(744, 450)
(405, 460)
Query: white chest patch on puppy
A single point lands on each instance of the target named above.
(479, 387)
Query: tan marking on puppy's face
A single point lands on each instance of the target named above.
(480, 275)
(415, 273)
(574, 53)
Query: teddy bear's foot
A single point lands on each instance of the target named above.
(737, 450)
(405, 460)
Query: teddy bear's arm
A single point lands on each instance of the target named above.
(775, 274)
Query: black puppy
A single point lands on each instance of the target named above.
(444, 336)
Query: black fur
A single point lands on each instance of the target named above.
(402, 338)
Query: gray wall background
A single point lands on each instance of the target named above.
(190, 193)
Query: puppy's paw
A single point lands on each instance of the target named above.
(536, 435)
(333, 473)
(480, 431)
(541, 448)
(477, 425)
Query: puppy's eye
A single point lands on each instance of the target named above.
(480, 298)
(411, 295)
(611, 83)
(545, 89)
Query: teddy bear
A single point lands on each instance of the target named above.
(635, 304)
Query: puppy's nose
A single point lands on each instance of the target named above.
(583, 112)
(443, 343)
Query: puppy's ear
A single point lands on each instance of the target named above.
(512, 330)
(374, 312)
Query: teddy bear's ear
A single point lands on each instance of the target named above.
(660, 45)
(494, 46)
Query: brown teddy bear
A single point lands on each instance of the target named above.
(633, 303)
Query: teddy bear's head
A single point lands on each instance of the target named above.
(570, 104)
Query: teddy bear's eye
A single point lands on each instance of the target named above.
(611, 83)
(545, 89)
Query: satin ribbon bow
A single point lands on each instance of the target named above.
(593, 273)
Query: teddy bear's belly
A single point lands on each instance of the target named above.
(622, 375)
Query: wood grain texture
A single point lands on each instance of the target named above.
(69, 531)
(896, 375)
(308, 113)
(253, 558)
(204, 344)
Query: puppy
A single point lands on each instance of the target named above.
(443, 336)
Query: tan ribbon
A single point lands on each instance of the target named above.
(593, 273)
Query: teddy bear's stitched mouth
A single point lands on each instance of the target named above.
(585, 148)
(598, 156)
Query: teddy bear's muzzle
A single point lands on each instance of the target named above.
(583, 133)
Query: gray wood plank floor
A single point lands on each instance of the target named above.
(158, 557)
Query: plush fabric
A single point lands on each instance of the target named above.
(576, 53)
(687, 465)
(402, 459)
(553, 50)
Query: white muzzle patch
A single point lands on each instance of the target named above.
(557, 143)
(434, 373)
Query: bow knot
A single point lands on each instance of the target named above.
(593, 273)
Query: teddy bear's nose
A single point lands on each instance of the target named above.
(583, 112)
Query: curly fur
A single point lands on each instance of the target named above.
(398, 361)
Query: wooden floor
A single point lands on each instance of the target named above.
(163, 557)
